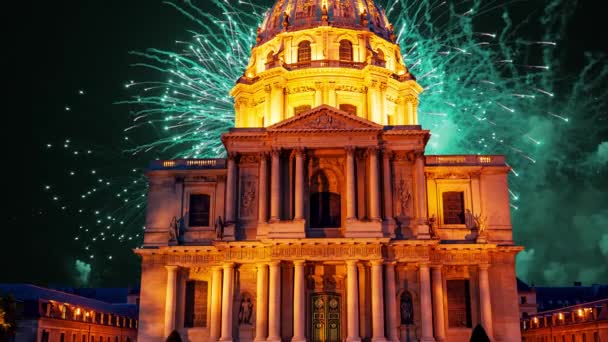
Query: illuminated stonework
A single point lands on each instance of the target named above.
(326, 221)
(347, 61)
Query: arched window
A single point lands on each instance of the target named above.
(346, 50)
(304, 51)
(270, 58)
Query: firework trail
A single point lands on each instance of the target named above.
(493, 85)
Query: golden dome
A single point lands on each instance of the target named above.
(295, 15)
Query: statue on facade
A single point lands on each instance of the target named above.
(404, 196)
(245, 311)
(481, 222)
(432, 223)
(219, 228)
(175, 229)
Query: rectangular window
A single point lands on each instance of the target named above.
(596, 337)
(199, 210)
(459, 304)
(195, 311)
(84, 338)
(45, 336)
(524, 300)
(453, 207)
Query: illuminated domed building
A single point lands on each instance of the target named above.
(327, 222)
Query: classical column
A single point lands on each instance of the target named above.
(374, 190)
(275, 186)
(420, 179)
(332, 94)
(299, 193)
(299, 302)
(351, 189)
(439, 316)
(387, 182)
(216, 303)
(170, 299)
(278, 102)
(227, 302)
(263, 190)
(391, 302)
(377, 302)
(274, 302)
(318, 94)
(261, 314)
(231, 187)
(352, 302)
(426, 310)
(267, 105)
(382, 90)
(484, 298)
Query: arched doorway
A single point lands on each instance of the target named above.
(325, 201)
(326, 317)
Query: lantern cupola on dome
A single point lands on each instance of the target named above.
(340, 53)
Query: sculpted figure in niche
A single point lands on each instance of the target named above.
(245, 311)
(407, 309)
(404, 196)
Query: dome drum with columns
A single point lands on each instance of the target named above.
(355, 66)
(326, 221)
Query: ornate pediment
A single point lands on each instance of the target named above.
(324, 118)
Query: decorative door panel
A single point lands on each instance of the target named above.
(326, 318)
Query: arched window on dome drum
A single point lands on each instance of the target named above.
(346, 50)
(269, 59)
(379, 59)
(304, 52)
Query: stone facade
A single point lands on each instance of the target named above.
(328, 223)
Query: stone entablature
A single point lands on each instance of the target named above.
(329, 250)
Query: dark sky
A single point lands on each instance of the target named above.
(84, 44)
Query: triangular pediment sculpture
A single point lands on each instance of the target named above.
(324, 117)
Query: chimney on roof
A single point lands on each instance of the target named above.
(578, 283)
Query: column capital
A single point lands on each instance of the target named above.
(261, 265)
(484, 267)
(228, 265)
(391, 263)
(424, 265)
(172, 268)
(350, 149)
(299, 151)
(299, 262)
(276, 151)
(372, 150)
(263, 155)
(351, 262)
(232, 156)
(377, 262)
(216, 268)
(275, 263)
(437, 267)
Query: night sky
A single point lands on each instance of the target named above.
(84, 46)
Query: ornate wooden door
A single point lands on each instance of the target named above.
(326, 317)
